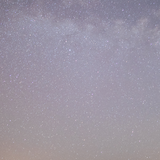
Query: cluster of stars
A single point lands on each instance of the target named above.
(79, 80)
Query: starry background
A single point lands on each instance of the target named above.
(79, 79)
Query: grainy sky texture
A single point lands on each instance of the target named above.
(80, 80)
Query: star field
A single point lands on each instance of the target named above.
(79, 79)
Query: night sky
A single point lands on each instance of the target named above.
(79, 80)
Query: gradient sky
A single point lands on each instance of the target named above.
(79, 80)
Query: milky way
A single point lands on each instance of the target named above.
(79, 79)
